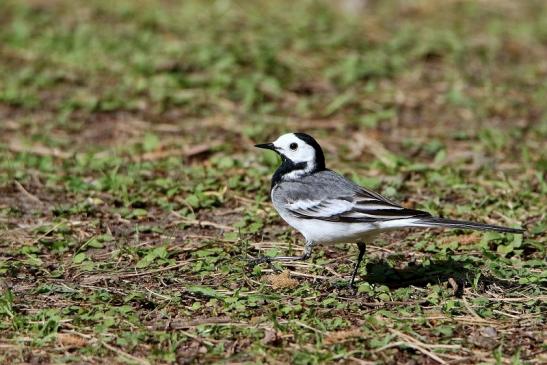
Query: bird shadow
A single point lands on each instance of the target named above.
(432, 272)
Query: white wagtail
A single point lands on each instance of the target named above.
(327, 208)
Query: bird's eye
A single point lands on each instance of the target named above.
(293, 146)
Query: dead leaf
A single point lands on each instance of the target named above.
(467, 239)
(182, 323)
(271, 337)
(489, 332)
(71, 340)
(282, 280)
(482, 341)
(341, 336)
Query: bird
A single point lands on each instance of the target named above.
(327, 208)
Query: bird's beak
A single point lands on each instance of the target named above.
(267, 146)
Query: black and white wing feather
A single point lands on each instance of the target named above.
(329, 196)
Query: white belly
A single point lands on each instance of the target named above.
(324, 232)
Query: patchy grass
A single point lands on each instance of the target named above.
(131, 198)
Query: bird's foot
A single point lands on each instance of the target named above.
(344, 285)
(261, 260)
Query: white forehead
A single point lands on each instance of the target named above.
(287, 139)
(302, 153)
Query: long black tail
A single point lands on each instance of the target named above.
(452, 223)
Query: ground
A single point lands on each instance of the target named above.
(131, 197)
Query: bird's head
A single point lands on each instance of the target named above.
(298, 149)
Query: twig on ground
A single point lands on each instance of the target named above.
(184, 152)
(177, 324)
(26, 193)
(414, 346)
(418, 345)
(158, 294)
(124, 354)
(470, 310)
(17, 146)
(301, 274)
(46, 233)
(195, 222)
(200, 340)
(125, 276)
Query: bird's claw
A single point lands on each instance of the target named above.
(259, 260)
(345, 285)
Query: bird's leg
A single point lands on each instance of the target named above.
(306, 255)
(362, 248)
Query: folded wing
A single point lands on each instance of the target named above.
(331, 197)
(355, 208)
